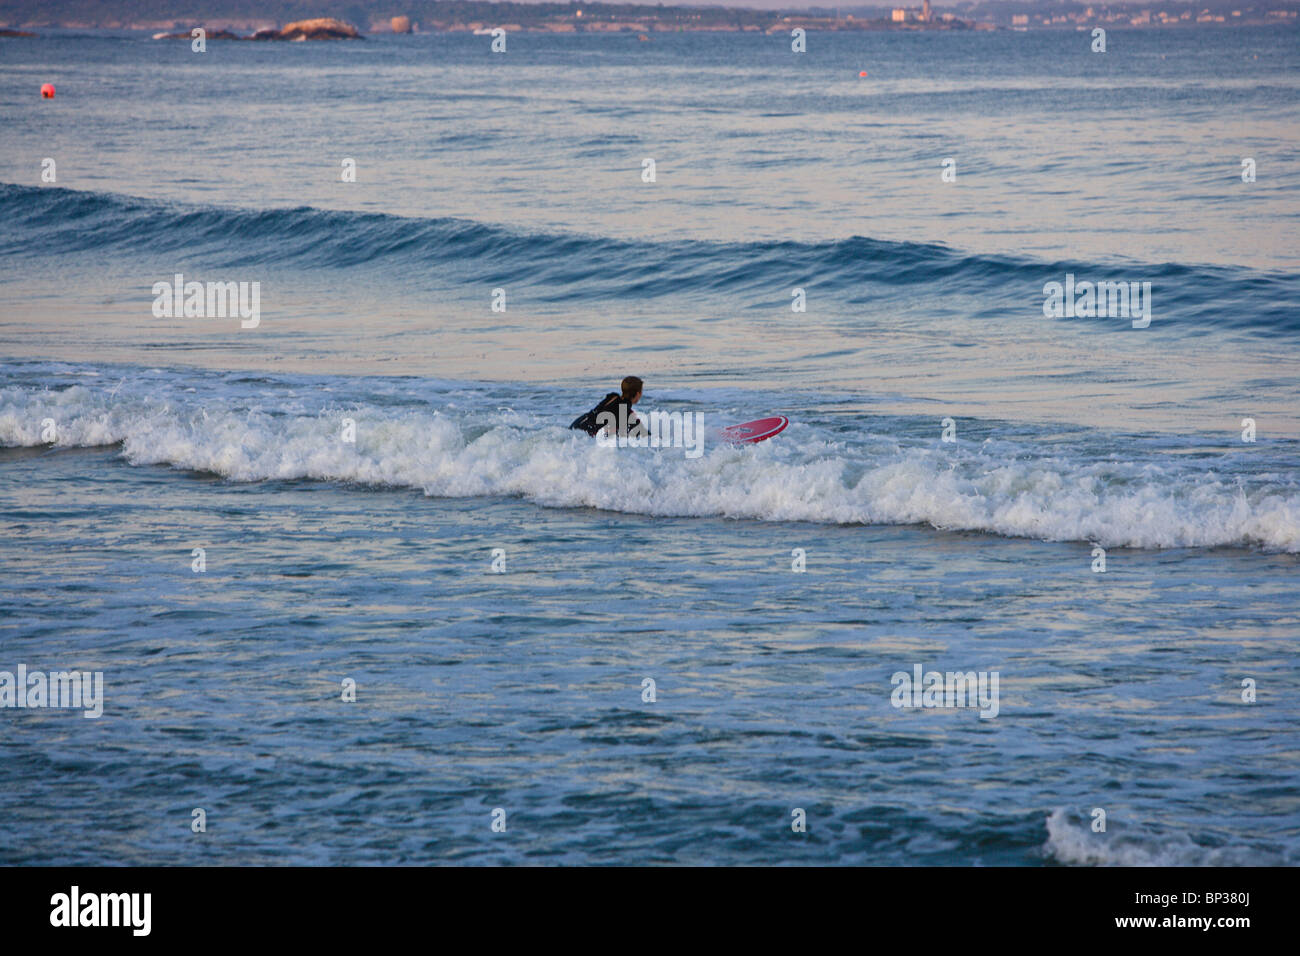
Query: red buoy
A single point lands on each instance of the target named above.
(862, 73)
(47, 91)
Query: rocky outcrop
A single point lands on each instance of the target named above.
(321, 28)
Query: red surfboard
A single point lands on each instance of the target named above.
(759, 430)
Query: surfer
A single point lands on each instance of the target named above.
(615, 409)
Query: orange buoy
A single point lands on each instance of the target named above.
(862, 73)
(47, 91)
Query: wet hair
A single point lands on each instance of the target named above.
(631, 387)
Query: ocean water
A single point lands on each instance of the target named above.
(500, 589)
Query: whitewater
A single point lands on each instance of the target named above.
(1095, 488)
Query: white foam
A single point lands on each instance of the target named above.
(1077, 844)
(998, 487)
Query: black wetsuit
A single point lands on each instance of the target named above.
(614, 404)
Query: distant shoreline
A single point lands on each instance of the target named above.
(242, 19)
(782, 26)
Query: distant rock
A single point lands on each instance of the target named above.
(321, 28)
(16, 33)
(400, 24)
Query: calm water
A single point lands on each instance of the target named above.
(329, 560)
